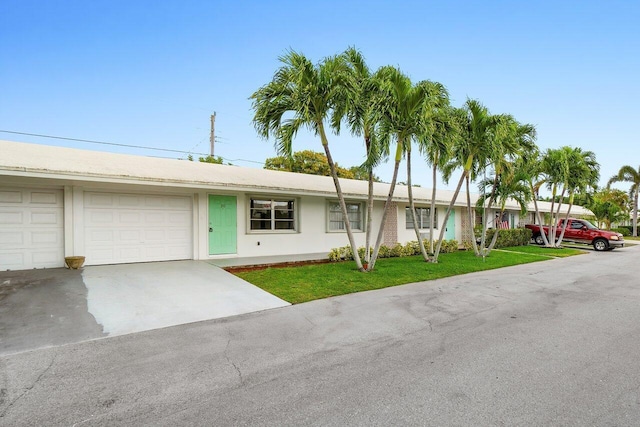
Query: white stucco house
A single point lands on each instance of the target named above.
(116, 208)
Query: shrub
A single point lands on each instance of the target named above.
(448, 246)
(622, 230)
(412, 248)
(345, 253)
(510, 237)
(385, 251)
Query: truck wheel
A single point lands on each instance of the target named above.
(600, 245)
(538, 239)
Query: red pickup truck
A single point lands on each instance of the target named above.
(581, 231)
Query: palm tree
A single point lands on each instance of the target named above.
(400, 105)
(436, 149)
(555, 168)
(510, 185)
(530, 165)
(629, 174)
(357, 106)
(472, 149)
(510, 140)
(432, 127)
(585, 173)
(309, 93)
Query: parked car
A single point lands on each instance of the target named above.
(581, 231)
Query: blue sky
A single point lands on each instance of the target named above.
(150, 73)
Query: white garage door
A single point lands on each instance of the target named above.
(121, 228)
(31, 228)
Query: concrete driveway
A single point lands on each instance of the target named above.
(40, 308)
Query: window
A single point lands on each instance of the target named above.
(272, 214)
(422, 215)
(354, 212)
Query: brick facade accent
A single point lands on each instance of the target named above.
(391, 226)
(467, 229)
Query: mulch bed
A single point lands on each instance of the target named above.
(243, 268)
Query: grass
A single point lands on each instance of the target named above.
(541, 250)
(309, 282)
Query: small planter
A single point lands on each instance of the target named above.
(74, 262)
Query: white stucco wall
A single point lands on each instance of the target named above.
(312, 234)
(405, 235)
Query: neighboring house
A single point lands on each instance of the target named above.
(116, 208)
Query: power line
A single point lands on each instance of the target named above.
(100, 142)
(126, 145)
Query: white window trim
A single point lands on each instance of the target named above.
(406, 224)
(296, 214)
(362, 207)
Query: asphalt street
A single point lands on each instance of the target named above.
(550, 343)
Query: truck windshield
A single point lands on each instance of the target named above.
(589, 225)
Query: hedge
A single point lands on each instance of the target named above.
(510, 237)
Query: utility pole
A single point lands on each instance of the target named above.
(212, 137)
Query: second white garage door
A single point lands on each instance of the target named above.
(122, 228)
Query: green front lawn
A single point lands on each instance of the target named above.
(309, 282)
(541, 250)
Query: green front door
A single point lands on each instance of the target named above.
(450, 232)
(222, 225)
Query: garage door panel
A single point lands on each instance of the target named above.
(31, 228)
(143, 228)
(40, 218)
(10, 196)
(129, 218)
(155, 217)
(47, 257)
(44, 198)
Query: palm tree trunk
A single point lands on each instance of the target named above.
(387, 204)
(432, 207)
(554, 191)
(557, 215)
(566, 219)
(635, 211)
(412, 206)
(367, 244)
(446, 216)
(538, 217)
(367, 251)
(494, 239)
(474, 244)
(343, 205)
(485, 223)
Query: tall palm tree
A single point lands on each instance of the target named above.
(555, 167)
(530, 165)
(585, 173)
(629, 174)
(400, 106)
(472, 149)
(431, 119)
(511, 140)
(357, 105)
(436, 149)
(510, 185)
(309, 93)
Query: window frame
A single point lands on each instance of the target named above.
(361, 214)
(273, 219)
(409, 224)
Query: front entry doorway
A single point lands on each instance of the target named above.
(450, 232)
(222, 225)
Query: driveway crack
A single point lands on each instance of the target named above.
(231, 362)
(28, 389)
